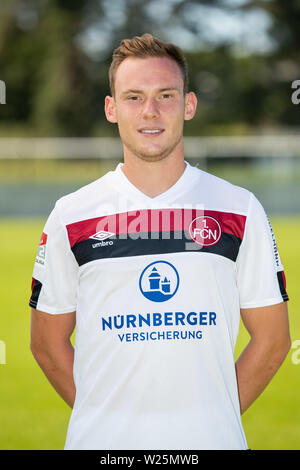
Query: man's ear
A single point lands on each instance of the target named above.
(190, 105)
(110, 109)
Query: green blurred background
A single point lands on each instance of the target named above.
(243, 57)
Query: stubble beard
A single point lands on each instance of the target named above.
(152, 156)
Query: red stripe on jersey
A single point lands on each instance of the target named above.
(283, 279)
(153, 220)
(43, 239)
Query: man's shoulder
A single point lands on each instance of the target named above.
(221, 192)
(75, 204)
(86, 190)
(211, 178)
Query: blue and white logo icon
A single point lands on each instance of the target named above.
(159, 281)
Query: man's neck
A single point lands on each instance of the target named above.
(154, 178)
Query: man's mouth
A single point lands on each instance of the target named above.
(152, 132)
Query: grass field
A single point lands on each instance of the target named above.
(32, 414)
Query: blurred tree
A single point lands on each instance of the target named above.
(284, 63)
(48, 86)
(285, 26)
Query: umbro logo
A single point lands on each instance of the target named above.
(102, 235)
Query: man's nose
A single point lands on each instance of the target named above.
(150, 108)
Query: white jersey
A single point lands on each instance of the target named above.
(157, 285)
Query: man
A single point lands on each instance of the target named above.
(155, 262)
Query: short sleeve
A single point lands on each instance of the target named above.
(260, 274)
(54, 281)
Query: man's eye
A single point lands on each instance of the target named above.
(133, 98)
(166, 96)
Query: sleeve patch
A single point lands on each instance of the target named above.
(282, 285)
(36, 287)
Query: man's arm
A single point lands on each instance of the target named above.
(268, 346)
(53, 351)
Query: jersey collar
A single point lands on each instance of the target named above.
(127, 188)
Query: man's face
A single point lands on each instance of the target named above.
(150, 106)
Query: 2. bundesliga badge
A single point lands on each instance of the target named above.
(41, 254)
(205, 230)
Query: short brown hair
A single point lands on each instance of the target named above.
(147, 46)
